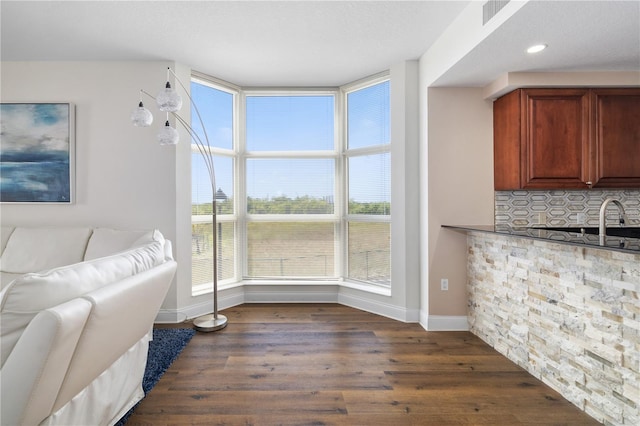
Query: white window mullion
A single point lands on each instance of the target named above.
(341, 186)
(242, 186)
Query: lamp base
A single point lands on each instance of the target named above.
(208, 323)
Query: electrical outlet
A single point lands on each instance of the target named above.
(581, 218)
(444, 284)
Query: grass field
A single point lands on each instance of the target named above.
(295, 250)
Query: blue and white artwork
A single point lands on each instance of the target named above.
(36, 152)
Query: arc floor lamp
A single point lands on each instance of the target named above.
(169, 101)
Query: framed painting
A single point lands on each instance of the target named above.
(37, 153)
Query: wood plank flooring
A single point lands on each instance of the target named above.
(328, 364)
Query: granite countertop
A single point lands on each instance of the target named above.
(627, 245)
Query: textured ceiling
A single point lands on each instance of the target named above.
(326, 43)
(582, 36)
(318, 43)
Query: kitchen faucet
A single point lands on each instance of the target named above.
(603, 218)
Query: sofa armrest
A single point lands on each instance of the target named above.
(122, 314)
(33, 373)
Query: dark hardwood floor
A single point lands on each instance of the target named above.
(327, 364)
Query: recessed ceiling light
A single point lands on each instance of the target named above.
(537, 48)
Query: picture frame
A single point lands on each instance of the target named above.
(37, 152)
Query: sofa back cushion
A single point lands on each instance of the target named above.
(23, 298)
(5, 233)
(38, 249)
(106, 241)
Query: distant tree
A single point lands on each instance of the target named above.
(223, 207)
(299, 205)
(286, 205)
(376, 208)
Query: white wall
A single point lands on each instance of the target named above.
(456, 173)
(460, 189)
(405, 240)
(124, 179)
(404, 301)
(456, 154)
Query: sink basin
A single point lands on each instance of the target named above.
(628, 232)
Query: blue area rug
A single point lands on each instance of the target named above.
(165, 347)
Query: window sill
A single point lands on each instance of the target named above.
(369, 288)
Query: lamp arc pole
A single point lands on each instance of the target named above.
(169, 101)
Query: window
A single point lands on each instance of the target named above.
(369, 184)
(296, 198)
(217, 107)
(290, 186)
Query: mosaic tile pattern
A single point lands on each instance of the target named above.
(563, 208)
(568, 315)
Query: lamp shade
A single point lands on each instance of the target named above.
(168, 135)
(141, 117)
(168, 99)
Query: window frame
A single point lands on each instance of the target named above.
(360, 152)
(235, 91)
(303, 154)
(340, 155)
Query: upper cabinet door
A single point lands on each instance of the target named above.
(616, 135)
(555, 143)
(574, 138)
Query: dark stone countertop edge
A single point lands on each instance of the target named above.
(624, 245)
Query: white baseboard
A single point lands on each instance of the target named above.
(378, 308)
(169, 316)
(313, 294)
(226, 299)
(290, 294)
(444, 322)
(253, 294)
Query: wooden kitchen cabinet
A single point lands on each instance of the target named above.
(616, 136)
(567, 139)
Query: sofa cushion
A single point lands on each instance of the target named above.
(37, 249)
(23, 298)
(105, 241)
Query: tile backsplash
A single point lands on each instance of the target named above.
(563, 208)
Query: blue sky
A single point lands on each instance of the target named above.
(303, 123)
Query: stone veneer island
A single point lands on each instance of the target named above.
(567, 313)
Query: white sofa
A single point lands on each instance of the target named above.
(77, 307)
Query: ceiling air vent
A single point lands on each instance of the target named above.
(491, 8)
